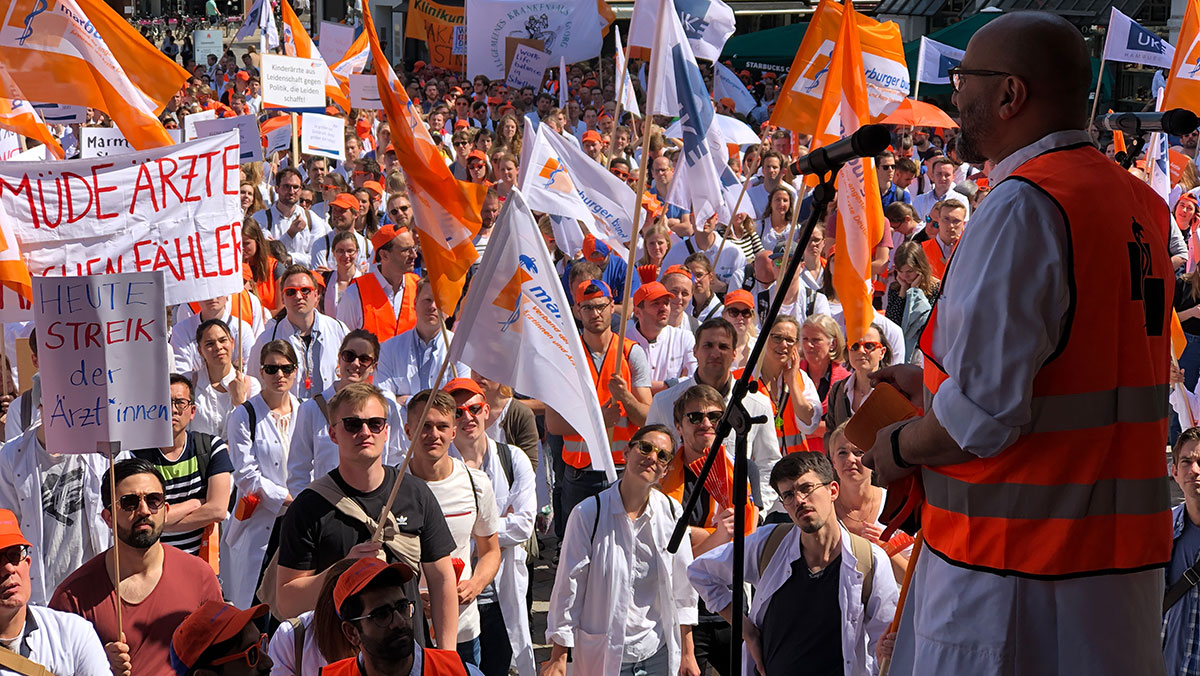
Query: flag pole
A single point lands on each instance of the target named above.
(626, 299)
(295, 142)
(621, 79)
(886, 663)
(108, 447)
(1096, 97)
(920, 62)
(733, 214)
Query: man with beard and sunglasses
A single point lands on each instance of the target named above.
(1064, 401)
(377, 619)
(160, 584)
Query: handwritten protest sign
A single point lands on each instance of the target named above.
(173, 209)
(207, 42)
(247, 129)
(527, 68)
(292, 82)
(335, 41)
(10, 145)
(102, 347)
(102, 142)
(61, 113)
(364, 92)
(323, 135)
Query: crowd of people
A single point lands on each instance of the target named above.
(308, 405)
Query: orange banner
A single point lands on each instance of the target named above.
(434, 22)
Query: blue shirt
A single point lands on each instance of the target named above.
(1181, 625)
(613, 276)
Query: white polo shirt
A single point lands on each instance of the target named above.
(670, 355)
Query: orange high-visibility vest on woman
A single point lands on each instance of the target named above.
(791, 439)
(1083, 489)
(575, 451)
(379, 317)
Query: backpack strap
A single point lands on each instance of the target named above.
(864, 562)
(252, 417)
(323, 405)
(504, 453)
(771, 545)
(688, 243)
(298, 631)
(26, 409)
(21, 664)
(596, 521)
(1182, 586)
(404, 547)
(202, 445)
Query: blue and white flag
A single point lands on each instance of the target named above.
(728, 84)
(677, 89)
(706, 23)
(261, 17)
(1129, 42)
(625, 80)
(935, 61)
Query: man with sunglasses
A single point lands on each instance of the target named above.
(503, 612)
(399, 210)
(160, 584)
(383, 301)
(377, 619)
(467, 501)
(823, 596)
(219, 639)
(885, 168)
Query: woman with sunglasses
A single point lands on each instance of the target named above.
(220, 388)
(614, 555)
(312, 453)
(739, 310)
(866, 357)
(260, 434)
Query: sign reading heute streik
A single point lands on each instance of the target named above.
(173, 209)
(103, 345)
(293, 82)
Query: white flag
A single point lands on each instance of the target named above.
(1158, 163)
(251, 23)
(729, 85)
(627, 97)
(522, 333)
(558, 178)
(707, 24)
(936, 60)
(1129, 42)
(567, 28)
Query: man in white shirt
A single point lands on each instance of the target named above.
(468, 503)
(315, 337)
(504, 615)
(759, 193)
(728, 262)
(669, 350)
(943, 189)
(409, 362)
(287, 221)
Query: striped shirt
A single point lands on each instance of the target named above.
(184, 481)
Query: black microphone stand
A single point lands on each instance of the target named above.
(737, 419)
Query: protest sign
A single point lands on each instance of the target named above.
(10, 145)
(60, 113)
(510, 48)
(459, 47)
(279, 138)
(102, 343)
(293, 83)
(173, 209)
(207, 42)
(527, 68)
(364, 92)
(437, 22)
(247, 129)
(335, 40)
(189, 123)
(567, 28)
(102, 142)
(323, 135)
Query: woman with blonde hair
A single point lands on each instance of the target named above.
(251, 199)
(508, 134)
(823, 348)
(656, 242)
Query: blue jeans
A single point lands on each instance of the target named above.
(655, 665)
(469, 652)
(579, 485)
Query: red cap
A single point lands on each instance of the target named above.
(744, 73)
(360, 575)
(346, 201)
(495, 100)
(591, 288)
(678, 270)
(386, 234)
(506, 107)
(476, 154)
(418, 66)
(739, 297)
(10, 531)
(208, 625)
(650, 292)
(457, 91)
(463, 384)
(595, 250)
(591, 135)
(374, 186)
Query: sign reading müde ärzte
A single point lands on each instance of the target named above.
(103, 351)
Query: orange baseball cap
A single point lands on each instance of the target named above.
(739, 297)
(208, 625)
(346, 201)
(386, 234)
(591, 135)
(459, 384)
(650, 292)
(461, 124)
(678, 270)
(591, 288)
(358, 576)
(374, 186)
(727, 102)
(476, 154)
(10, 530)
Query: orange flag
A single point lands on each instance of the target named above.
(445, 210)
(1183, 82)
(19, 116)
(296, 42)
(860, 211)
(81, 52)
(1178, 337)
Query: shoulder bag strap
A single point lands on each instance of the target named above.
(323, 405)
(774, 539)
(864, 560)
(298, 630)
(1182, 586)
(21, 664)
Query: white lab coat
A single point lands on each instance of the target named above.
(282, 650)
(516, 527)
(712, 572)
(259, 467)
(21, 492)
(589, 604)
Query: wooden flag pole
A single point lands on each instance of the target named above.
(733, 214)
(621, 79)
(886, 662)
(626, 299)
(295, 142)
(1096, 96)
(111, 448)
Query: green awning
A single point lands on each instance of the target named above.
(956, 35)
(772, 49)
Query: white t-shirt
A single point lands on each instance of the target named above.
(469, 505)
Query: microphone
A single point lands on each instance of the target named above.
(868, 141)
(1176, 122)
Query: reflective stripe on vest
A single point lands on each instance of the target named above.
(575, 451)
(1083, 489)
(379, 317)
(791, 440)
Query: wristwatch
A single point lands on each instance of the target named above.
(896, 447)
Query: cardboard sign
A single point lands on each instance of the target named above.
(173, 209)
(247, 129)
(510, 48)
(364, 92)
(207, 42)
(437, 22)
(335, 40)
(323, 135)
(293, 83)
(60, 113)
(459, 45)
(102, 343)
(102, 142)
(527, 68)
(189, 123)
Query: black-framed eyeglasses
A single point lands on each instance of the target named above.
(14, 555)
(956, 75)
(649, 450)
(695, 417)
(350, 356)
(272, 369)
(382, 616)
(180, 404)
(473, 409)
(802, 492)
(131, 501)
(355, 425)
(252, 654)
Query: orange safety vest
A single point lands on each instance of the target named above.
(937, 262)
(673, 484)
(268, 289)
(243, 311)
(379, 317)
(1083, 490)
(791, 439)
(575, 451)
(433, 663)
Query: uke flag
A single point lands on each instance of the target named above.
(521, 331)
(1127, 41)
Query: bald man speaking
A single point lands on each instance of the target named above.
(1044, 390)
